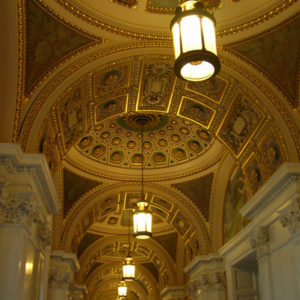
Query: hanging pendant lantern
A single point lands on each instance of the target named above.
(142, 218)
(194, 40)
(122, 289)
(142, 221)
(128, 269)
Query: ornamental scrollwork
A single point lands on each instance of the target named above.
(44, 234)
(17, 208)
(60, 278)
(291, 218)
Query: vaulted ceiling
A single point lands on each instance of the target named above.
(87, 69)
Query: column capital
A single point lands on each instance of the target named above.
(77, 291)
(290, 217)
(260, 239)
(62, 268)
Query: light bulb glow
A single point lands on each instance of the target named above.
(122, 290)
(142, 224)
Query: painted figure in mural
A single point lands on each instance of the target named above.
(236, 196)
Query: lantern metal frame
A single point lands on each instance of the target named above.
(128, 269)
(196, 56)
(142, 204)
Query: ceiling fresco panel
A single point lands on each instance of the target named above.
(157, 81)
(199, 191)
(254, 173)
(111, 108)
(71, 115)
(240, 123)
(195, 111)
(270, 51)
(74, 187)
(109, 82)
(213, 88)
(271, 152)
(47, 144)
(48, 41)
(169, 242)
(236, 196)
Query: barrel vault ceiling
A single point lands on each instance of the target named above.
(88, 68)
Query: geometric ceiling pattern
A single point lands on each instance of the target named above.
(89, 70)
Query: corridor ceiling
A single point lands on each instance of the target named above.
(88, 68)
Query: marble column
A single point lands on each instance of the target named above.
(207, 278)
(173, 293)
(27, 200)
(263, 260)
(63, 266)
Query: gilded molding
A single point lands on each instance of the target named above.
(214, 207)
(110, 28)
(166, 178)
(21, 72)
(258, 20)
(139, 35)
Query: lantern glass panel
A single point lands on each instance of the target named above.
(209, 35)
(190, 28)
(122, 291)
(195, 72)
(128, 271)
(176, 39)
(142, 222)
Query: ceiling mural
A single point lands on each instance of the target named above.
(89, 70)
(236, 196)
(240, 123)
(48, 42)
(74, 187)
(199, 191)
(269, 52)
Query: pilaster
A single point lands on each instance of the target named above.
(63, 266)
(27, 201)
(267, 249)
